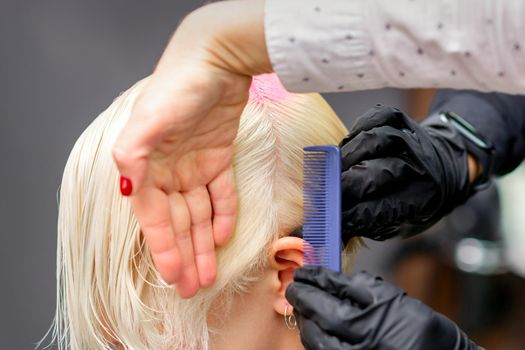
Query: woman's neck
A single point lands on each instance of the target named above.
(252, 323)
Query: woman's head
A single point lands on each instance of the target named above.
(109, 293)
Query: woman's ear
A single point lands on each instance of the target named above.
(286, 255)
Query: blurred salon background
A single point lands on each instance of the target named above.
(63, 62)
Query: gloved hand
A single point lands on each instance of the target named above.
(335, 311)
(399, 177)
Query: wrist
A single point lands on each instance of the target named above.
(232, 42)
(474, 168)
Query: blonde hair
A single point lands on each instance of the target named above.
(109, 294)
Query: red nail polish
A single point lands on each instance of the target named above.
(125, 186)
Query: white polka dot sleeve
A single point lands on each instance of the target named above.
(344, 45)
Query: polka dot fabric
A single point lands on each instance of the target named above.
(345, 45)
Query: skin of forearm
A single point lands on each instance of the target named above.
(229, 36)
(474, 168)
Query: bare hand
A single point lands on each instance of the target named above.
(177, 146)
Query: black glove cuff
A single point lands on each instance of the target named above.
(464, 343)
(451, 148)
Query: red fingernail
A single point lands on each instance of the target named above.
(125, 186)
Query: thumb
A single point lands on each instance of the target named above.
(133, 148)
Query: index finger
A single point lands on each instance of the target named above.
(352, 288)
(328, 311)
(152, 209)
(372, 144)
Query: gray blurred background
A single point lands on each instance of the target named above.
(62, 63)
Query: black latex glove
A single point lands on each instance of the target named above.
(335, 311)
(399, 177)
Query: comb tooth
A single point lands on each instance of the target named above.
(321, 206)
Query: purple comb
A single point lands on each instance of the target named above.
(322, 207)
